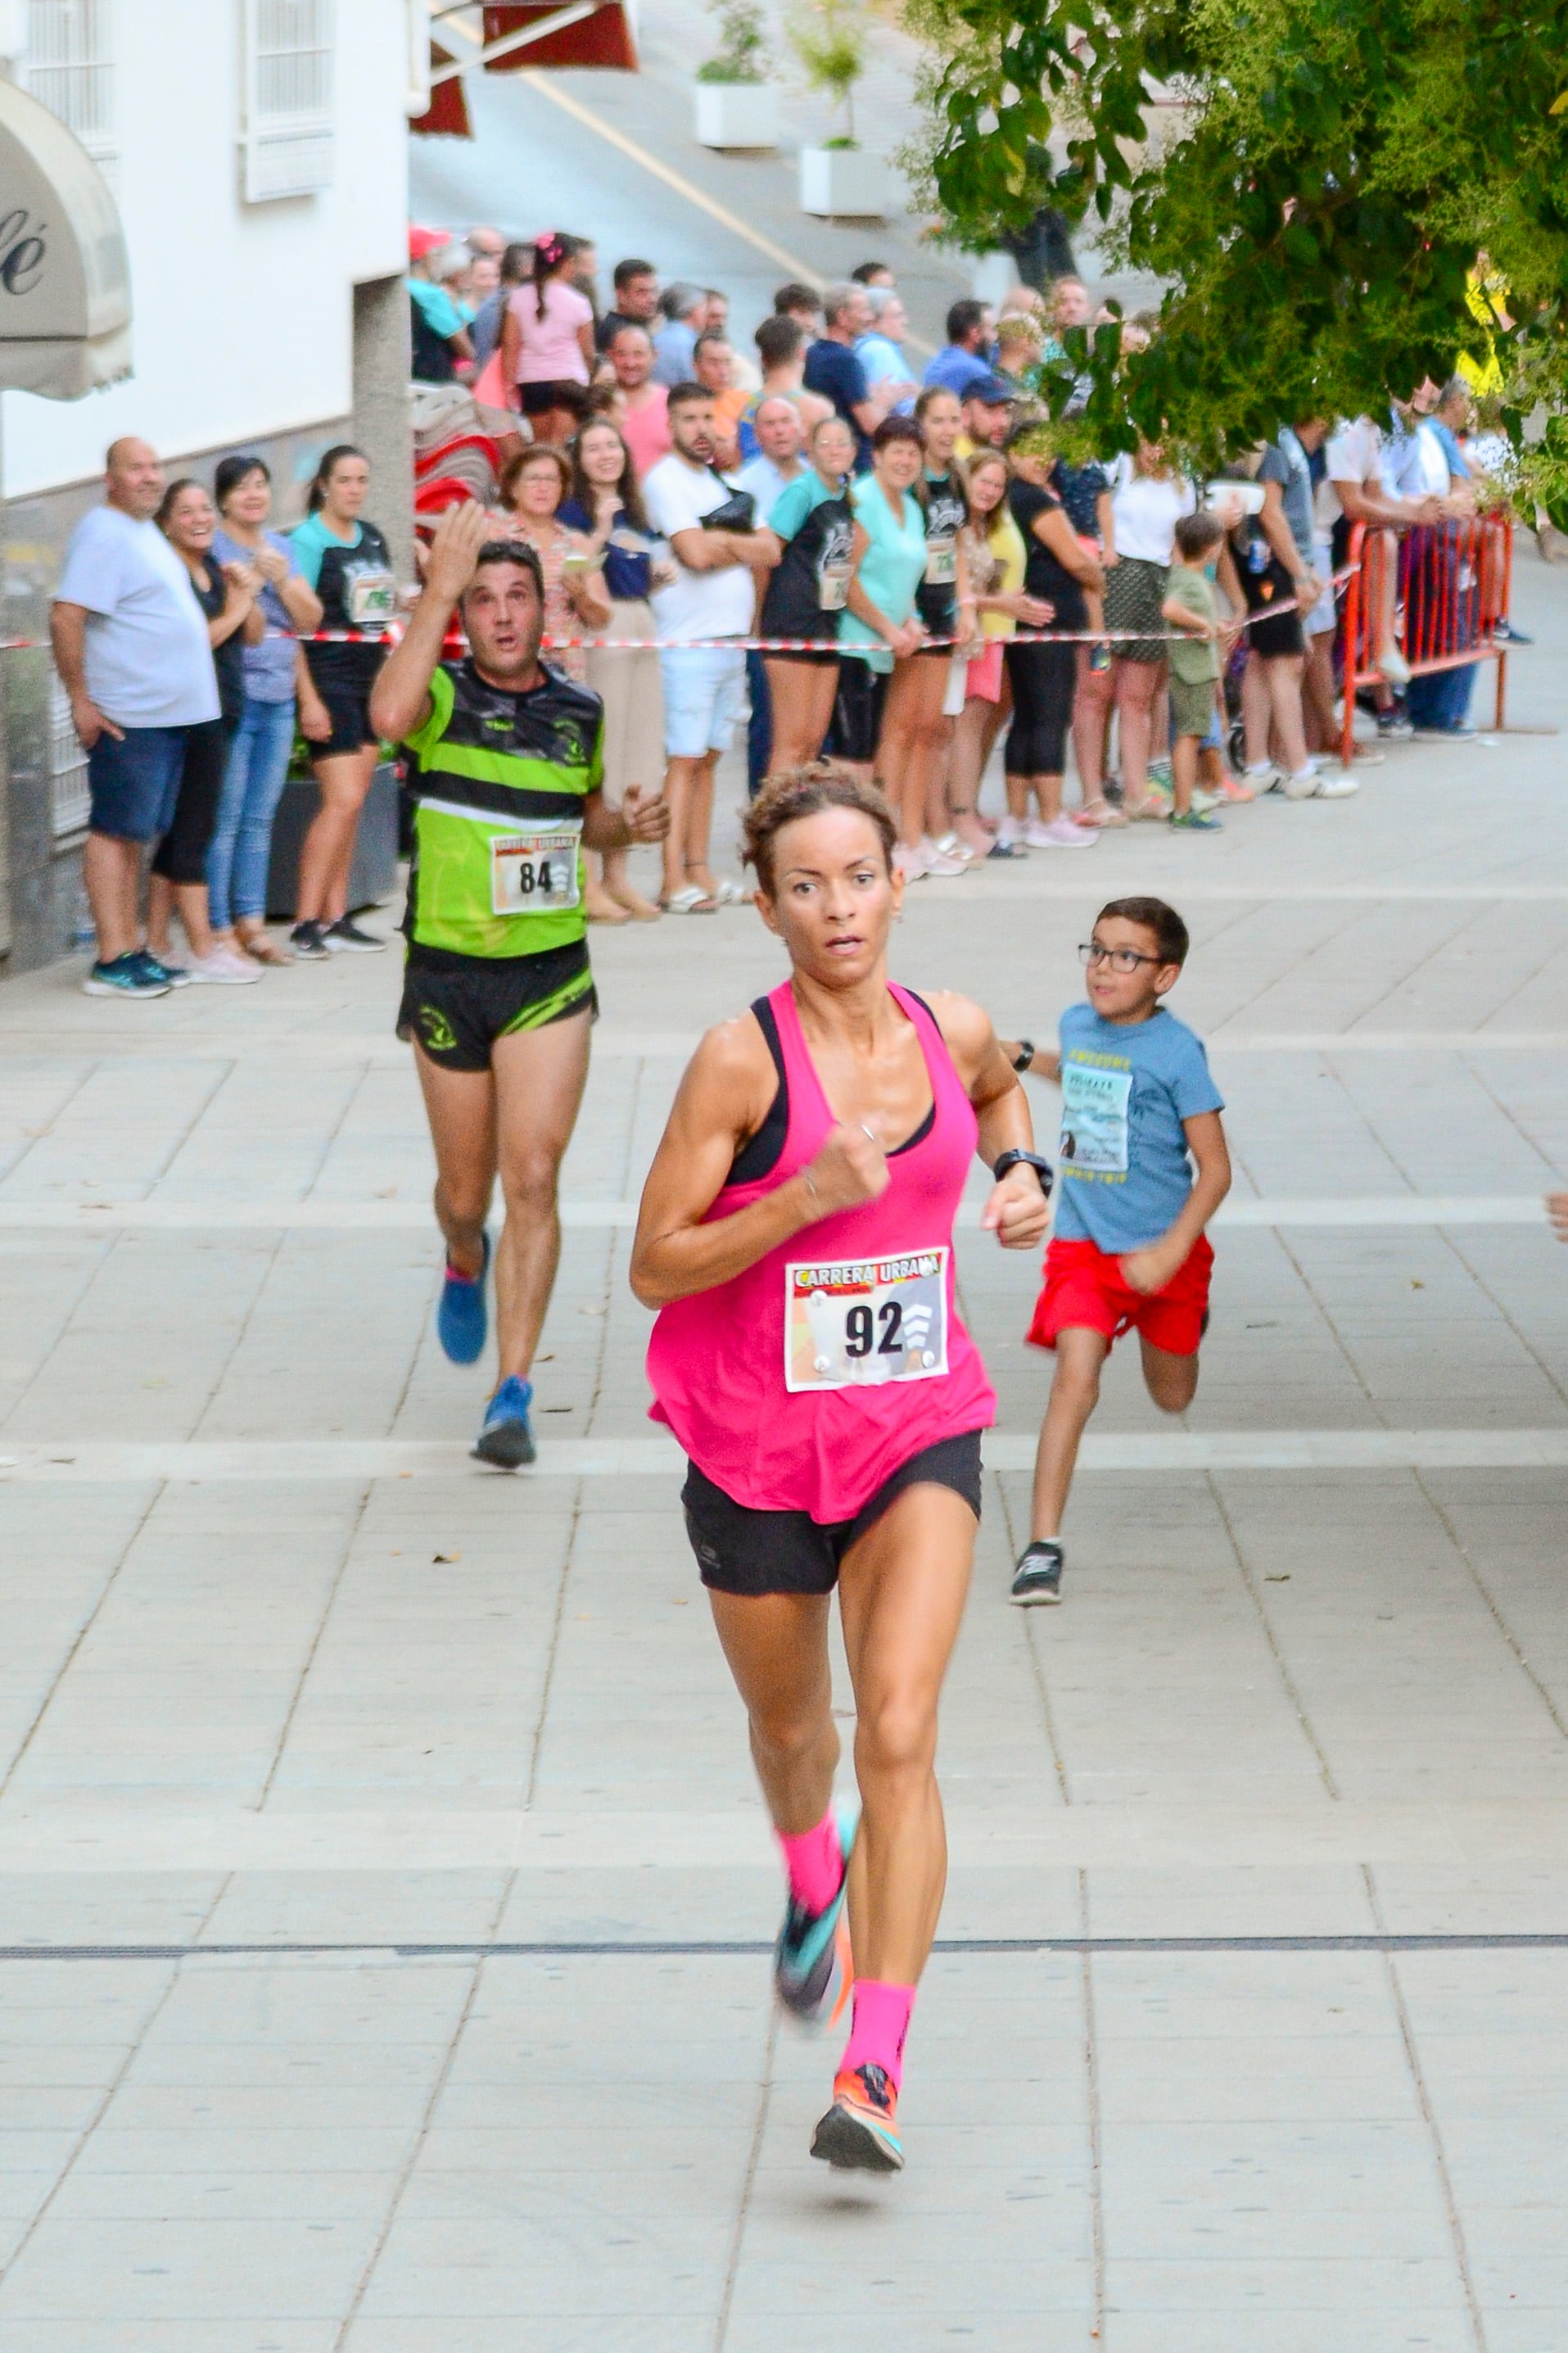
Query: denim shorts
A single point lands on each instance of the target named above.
(135, 783)
(704, 688)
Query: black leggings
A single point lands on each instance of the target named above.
(1045, 678)
(182, 855)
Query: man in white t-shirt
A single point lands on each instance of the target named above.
(713, 594)
(131, 648)
(1358, 488)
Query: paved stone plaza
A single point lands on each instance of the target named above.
(385, 1897)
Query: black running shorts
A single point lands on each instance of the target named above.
(458, 1005)
(742, 1551)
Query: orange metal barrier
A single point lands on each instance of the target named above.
(1436, 592)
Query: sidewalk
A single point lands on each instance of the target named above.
(387, 1900)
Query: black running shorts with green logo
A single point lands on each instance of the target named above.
(458, 1005)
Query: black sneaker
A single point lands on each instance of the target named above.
(308, 942)
(1038, 1576)
(345, 938)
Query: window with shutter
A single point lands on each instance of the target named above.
(69, 800)
(70, 70)
(288, 98)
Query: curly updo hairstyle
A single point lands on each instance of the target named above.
(795, 793)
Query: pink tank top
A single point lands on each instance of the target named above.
(803, 1384)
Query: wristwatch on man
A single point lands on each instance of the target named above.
(1017, 1159)
(1024, 1056)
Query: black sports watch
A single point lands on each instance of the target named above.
(1025, 1055)
(1015, 1159)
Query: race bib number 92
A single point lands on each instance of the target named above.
(859, 1323)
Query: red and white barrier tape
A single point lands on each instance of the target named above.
(393, 634)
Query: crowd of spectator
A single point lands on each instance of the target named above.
(935, 566)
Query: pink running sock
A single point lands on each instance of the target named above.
(815, 1862)
(877, 2035)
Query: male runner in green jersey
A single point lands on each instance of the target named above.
(504, 771)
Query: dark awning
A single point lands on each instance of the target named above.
(599, 35)
(65, 280)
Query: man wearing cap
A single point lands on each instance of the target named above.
(440, 338)
(987, 412)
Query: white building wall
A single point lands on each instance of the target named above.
(243, 314)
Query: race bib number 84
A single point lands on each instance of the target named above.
(859, 1323)
(533, 873)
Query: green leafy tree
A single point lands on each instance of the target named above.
(828, 36)
(1325, 175)
(742, 55)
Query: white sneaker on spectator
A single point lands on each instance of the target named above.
(1320, 785)
(223, 965)
(938, 864)
(1062, 834)
(1010, 834)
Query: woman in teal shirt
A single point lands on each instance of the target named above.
(880, 631)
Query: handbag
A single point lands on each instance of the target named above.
(739, 511)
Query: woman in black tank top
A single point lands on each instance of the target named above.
(358, 590)
(805, 597)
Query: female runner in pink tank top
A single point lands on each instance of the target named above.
(797, 1236)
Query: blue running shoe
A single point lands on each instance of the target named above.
(506, 1438)
(461, 1322)
(123, 976)
(812, 1972)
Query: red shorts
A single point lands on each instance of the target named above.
(1085, 1287)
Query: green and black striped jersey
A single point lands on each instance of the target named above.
(499, 782)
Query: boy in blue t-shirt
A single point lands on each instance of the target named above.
(1128, 1251)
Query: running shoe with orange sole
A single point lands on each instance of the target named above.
(859, 2134)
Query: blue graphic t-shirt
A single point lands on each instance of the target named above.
(1123, 1174)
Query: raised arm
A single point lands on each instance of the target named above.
(400, 699)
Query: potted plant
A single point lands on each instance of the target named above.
(828, 38)
(737, 106)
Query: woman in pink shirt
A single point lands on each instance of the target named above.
(547, 341)
(796, 1238)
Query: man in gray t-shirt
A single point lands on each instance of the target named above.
(132, 651)
(1286, 462)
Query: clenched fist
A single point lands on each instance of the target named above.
(850, 1168)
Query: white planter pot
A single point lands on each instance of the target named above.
(737, 114)
(845, 180)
